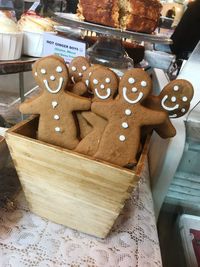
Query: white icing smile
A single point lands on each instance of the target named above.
(166, 107)
(103, 96)
(61, 80)
(140, 96)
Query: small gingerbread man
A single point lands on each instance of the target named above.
(175, 100)
(104, 85)
(125, 114)
(77, 68)
(55, 105)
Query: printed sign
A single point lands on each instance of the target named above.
(66, 48)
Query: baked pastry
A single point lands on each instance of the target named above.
(133, 15)
(102, 12)
(33, 27)
(10, 38)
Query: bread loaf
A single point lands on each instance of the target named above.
(133, 15)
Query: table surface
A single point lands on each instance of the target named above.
(29, 240)
(15, 66)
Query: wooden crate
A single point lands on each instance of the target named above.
(69, 188)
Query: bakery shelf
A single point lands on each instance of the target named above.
(71, 20)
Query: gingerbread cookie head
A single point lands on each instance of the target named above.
(88, 73)
(135, 85)
(175, 97)
(77, 67)
(103, 83)
(51, 74)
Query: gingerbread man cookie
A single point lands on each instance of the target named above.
(104, 84)
(125, 114)
(77, 67)
(174, 99)
(55, 105)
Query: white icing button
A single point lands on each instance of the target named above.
(95, 81)
(125, 125)
(107, 80)
(134, 89)
(57, 129)
(183, 110)
(131, 80)
(184, 99)
(54, 104)
(102, 86)
(56, 117)
(59, 69)
(35, 73)
(80, 74)
(43, 71)
(52, 78)
(173, 99)
(143, 83)
(84, 68)
(122, 138)
(128, 112)
(73, 68)
(176, 88)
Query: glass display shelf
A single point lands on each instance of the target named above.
(72, 20)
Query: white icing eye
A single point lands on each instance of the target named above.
(125, 125)
(59, 69)
(43, 71)
(176, 88)
(56, 117)
(73, 68)
(107, 80)
(143, 83)
(131, 80)
(35, 73)
(87, 82)
(134, 89)
(80, 74)
(102, 86)
(173, 99)
(95, 81)
(52, 78)
(122, 138)
(84, 68)
(128, 112)
(57, 129)
(184, 99)
(183, 110)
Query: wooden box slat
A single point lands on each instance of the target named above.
(69, 188)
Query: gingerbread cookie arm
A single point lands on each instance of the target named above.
(166, 129)
(79, 102)
(103, 109)
(92, 118)
(31, 106)
(79, 88)
(154, 117)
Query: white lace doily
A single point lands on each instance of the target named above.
(29, 240)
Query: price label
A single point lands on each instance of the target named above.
(66, 48)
